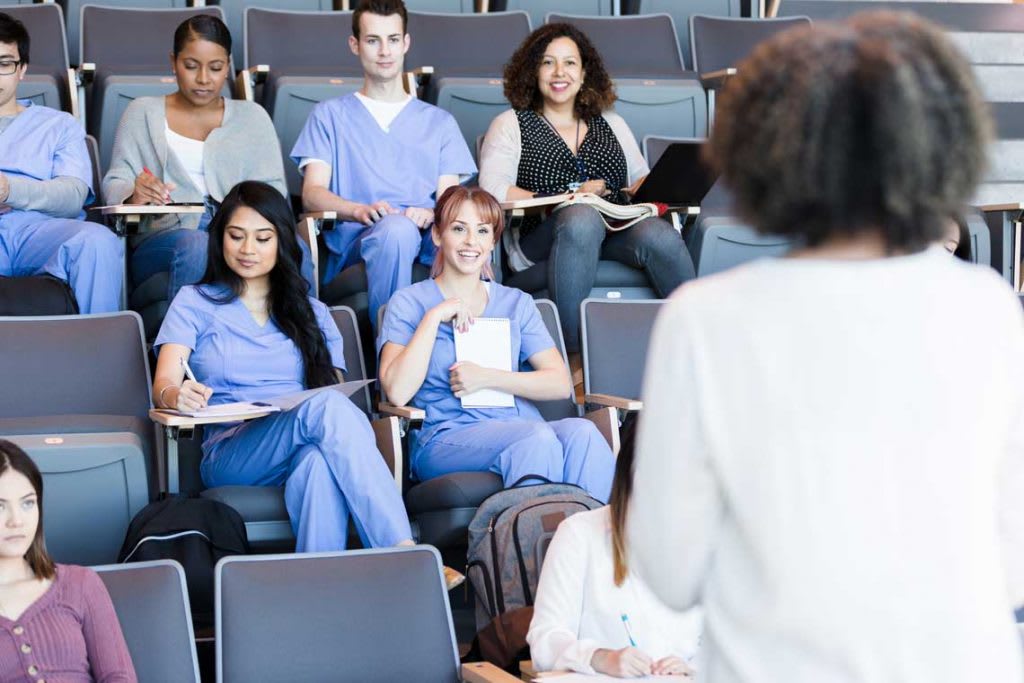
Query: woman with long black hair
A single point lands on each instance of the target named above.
(250, 332)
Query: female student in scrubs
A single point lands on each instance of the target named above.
(418, 366)
(249, 332)
(592, 614)
(191, 146)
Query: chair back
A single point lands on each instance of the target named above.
(681, 12)
(235, 11)
(152, 606)
(617, 39)
(84, 364)
(364, 615)
(615, 335)
(104, 28)
(538, 8)
(722, 42)
(449, 6)
(345, 319)
(300, 38)
(1004, 177)
(46, 83)
(465, 44)
(559, 408)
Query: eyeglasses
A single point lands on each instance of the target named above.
(9, 66)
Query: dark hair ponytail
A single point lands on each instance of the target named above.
(202, 27)
(288, 300)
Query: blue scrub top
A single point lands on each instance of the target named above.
(232, 354)
(43, 144)
(400, 166)
(444, 410)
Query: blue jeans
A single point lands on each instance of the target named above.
(572, 241)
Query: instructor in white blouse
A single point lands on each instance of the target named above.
(814, 466)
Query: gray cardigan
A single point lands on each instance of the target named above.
(244, 147)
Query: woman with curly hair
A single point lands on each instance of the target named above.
(560, 137)
(845, 506)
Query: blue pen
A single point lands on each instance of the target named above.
(629, 633)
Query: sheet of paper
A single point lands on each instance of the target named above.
(592, 678)
(291, 400)
(272, 405)
(488, 343)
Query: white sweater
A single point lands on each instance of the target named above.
(831, 460)
(579, 609)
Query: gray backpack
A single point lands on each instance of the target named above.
(508, 538)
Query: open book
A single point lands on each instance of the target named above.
(616, 216)
(270, 405)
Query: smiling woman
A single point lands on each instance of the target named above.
(42, 603)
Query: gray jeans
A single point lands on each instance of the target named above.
(574, 239)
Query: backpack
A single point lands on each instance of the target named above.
(508, 538)
(36, 295)
(196, 533)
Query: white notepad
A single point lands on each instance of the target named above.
(488, 343)
(271, 405)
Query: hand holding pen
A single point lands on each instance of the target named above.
(150, 190)
(192, 395)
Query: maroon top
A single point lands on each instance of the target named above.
(70, 634)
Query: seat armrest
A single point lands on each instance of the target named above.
(388, 434)
(714, 80)
(405, 412)
(73, 99)
(246, 81)
(417, 78)
(307, 231)
(485, 672)
(618, 402)
(86, 74)
(607, 422)
(325, 220)
(172, 418)
(997, 208)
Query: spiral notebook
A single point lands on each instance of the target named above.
(488, 343)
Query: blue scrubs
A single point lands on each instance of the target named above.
(513, 442)
(323, 451)
(42, 144)
(400, 166)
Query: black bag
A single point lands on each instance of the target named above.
(195, 532)
(36, 295)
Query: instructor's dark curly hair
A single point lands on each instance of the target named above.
(874, 123)
(596, 93)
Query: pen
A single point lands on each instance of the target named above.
(629, 633)
(188, 373)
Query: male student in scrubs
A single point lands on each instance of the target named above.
(45, 179)
(379, 158)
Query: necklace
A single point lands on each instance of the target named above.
(581, 169)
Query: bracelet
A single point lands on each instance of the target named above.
(160, 396)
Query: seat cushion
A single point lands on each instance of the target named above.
(456, 490)
(253, 503)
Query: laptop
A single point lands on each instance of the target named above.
(679, 178)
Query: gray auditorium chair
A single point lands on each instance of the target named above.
(657, 94)
(719, 240)
(720, 43)
(467, 53)
(539, 8)
(441, 508)
(48, 81)
(262, 507)
(73, 12)
(126, 69)
(77, 399)
(615, 337)
(290, 75)
(234, 11)
(367, 615)
(1000, 196)
(151, 601)
(448, 6)
(681, 13)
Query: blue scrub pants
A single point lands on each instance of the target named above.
(569, 450)
(389, 247)
(88, 256)
(324, 453)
